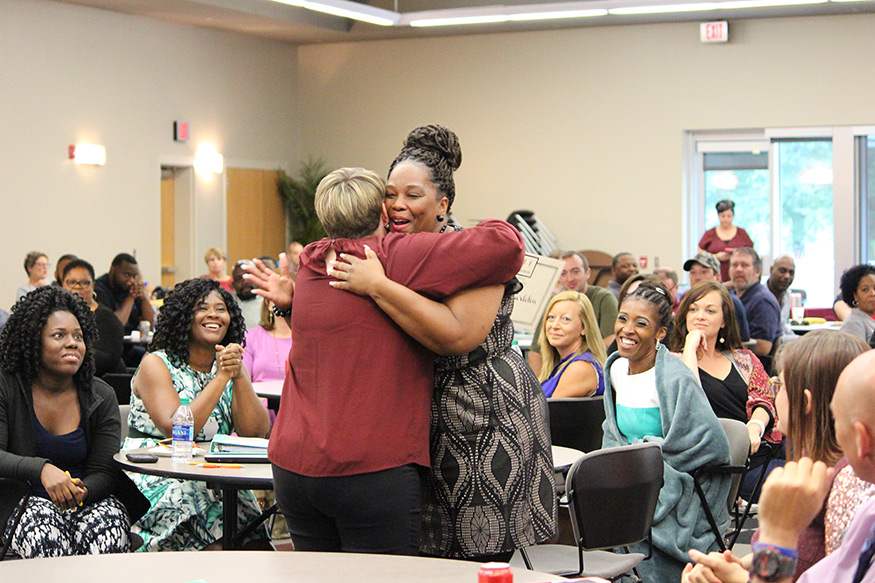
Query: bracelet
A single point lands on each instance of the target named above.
(761, 425)
(282, 313)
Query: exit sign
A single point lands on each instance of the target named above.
(714, 32)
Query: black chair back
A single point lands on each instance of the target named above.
(121, 384)
(612, 495)
(577, 422)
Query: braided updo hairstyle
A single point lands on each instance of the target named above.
(173, 327)
(438, 149)
(657, 296)
(21, 339)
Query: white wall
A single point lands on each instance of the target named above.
(584, 126)
(80, 74)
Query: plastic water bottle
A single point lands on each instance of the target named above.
(183, 433)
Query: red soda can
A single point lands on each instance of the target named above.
(495, 573)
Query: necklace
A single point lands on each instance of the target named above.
(276, 350)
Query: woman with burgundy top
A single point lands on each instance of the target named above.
(725, 238)
(351, 438)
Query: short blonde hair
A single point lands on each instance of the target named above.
(214, 252)
(349, 202)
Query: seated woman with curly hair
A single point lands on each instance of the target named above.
(196, 354)
(59, 428)
(858, 291)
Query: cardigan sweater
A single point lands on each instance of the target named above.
(99, 409)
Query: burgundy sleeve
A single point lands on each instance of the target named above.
(705, 240)
(441, 264)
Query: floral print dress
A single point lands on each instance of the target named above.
(184, 514)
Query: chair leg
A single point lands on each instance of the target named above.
(759, 483)
(713, 523)
(526, 559)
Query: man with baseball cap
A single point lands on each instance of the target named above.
(705, 267)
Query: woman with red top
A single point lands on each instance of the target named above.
(725, 238)
(217, 262)
(351, 438)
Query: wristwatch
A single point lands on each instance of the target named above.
(773, 563)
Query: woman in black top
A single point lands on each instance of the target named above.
(59, 428)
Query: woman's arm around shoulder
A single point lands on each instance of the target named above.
(579, 379)
(455, 326)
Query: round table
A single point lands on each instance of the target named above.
(229, 480)
(256, 566)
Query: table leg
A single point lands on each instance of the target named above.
(229, 518)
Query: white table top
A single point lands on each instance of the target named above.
(564, 456)
(268, 388)
(260, 566)
(803, 328)
(250, 475)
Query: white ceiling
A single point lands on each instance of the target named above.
(267, 19)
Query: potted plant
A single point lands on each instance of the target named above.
(299, 195)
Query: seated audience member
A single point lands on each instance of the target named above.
(59, 428)
(793, 496)
(858, 291)
(669, 279)
(250, 304)
(292, 255)
(763, 311)
(575, 277)
(623, 266)
(63, 260)
(268, 346)
(705, 267)
(269, 261)
(78, 278)
(781, 277)
(572, 350)
(196, 354)
(630, 286)
(122, 291)
(733, 379)
(36, 265)
(651, 396)
(840, 308)
(809, 370)
(217, 263)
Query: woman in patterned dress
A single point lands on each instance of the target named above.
(59, 428)
(490, 490)
(195, 354)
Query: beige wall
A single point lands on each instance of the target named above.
(584, 126)
(73, 73)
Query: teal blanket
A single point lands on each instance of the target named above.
(693, 438)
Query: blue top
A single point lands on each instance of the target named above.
(67, 452)
(763, 312)
(552, 381)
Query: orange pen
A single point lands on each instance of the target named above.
(211, 466)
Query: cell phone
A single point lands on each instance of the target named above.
(142, 458)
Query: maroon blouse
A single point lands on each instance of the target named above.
(357, 396)
(711, 243)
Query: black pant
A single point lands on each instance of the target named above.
(377, 512)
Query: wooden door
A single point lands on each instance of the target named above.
(168, 226)
(256, 222)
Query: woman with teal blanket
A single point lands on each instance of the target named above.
(651, 396)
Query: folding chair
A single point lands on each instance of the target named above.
(577, 422)
(739, 454)
(13, 492)
(612, 495)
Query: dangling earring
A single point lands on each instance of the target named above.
(440, 218)
(722, 340)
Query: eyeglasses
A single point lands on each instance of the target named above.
(76, 283)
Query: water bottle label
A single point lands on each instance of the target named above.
(183, 433)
